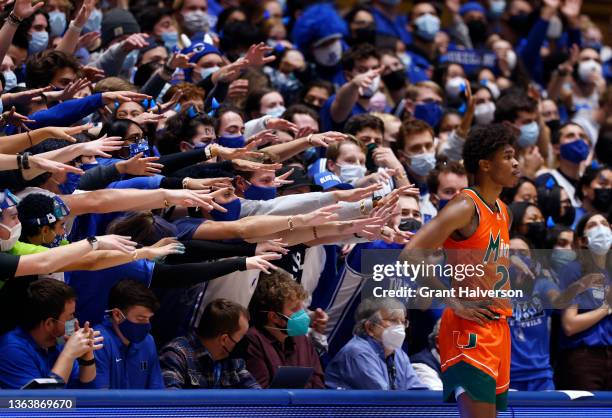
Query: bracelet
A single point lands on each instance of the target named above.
(12, 18)
(290, 223)
(186, 182)
(86, 363)
(30, 138)
(314, 231)
(362, 207)
(135, 255)
(25, 163)
(310, 139)
(166, 204)
(19, 162)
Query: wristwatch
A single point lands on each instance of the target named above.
(94, 242)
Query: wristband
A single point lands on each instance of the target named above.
(186, 183)
(86, 363)
(73, 26)
(12, 18)
(19, 162)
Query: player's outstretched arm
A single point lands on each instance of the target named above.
(456, 215)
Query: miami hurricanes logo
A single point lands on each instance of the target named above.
(471, 342)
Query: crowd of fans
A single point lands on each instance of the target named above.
(189, 187)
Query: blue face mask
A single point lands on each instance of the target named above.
(497, 7)
(427, 26)
(254, 192)
(57, 23)
(71, 183)
(38, 42)
(130, 61)
(57, 241)
(134, 332)
(297, 323)
(232, 214)
(576, 151)
(442, 203)
(170, 39)
(94, 23)
(559, 257)
(10, 80)
(231, 141)
(68, 331)
(529, 135)
(430, 112)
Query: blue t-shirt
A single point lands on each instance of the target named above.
(186, 227)
(328, 124)
(599, 334)
(118, 366)
(530, 333)
(92, 287)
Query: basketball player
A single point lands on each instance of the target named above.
(473, 229)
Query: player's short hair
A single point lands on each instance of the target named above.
(483, 141)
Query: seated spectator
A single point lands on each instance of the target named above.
(374, 358)
(201, 360)
(278, 334)
(426, 363)
(129, 357)
(48, 343)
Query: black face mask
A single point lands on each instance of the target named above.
(536, 232)
(365, 35)
(240, 350)
(395, 80)
(521, 23)
(478, 31)
(410, 225)
(603, 199)
(370, 164)
(553, 125)
(313, 107)
(567, 218)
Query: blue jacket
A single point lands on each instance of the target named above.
(118, 366)
(361, 364)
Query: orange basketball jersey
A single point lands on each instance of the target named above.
(489, 247)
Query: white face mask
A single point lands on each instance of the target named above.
(276, 111)
(484, 113)
(328, 55)
(196, 21)
(10, 80)
(6, 245)
(555, 28)
(511, 58)
(205, 72)
(599, 239)
(587, 68)
(454, 87)
(422, 164)
(393, 337)
(350, 173)
(372, 88)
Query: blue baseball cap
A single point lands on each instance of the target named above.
(328, 180)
